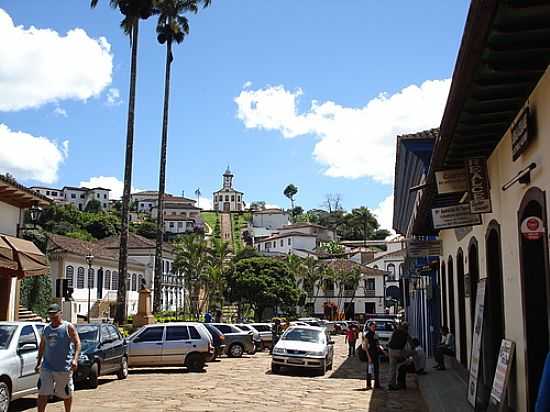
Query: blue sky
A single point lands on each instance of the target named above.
(285, 92)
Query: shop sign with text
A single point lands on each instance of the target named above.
(478, 185)
(521, 134)
(532, 228)
(451, 181)
(454, 216)
(420, 248)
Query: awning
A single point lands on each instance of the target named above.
(21, 258)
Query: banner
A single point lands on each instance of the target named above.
(502, 375)
(478, 185)
(454, 216)
(476, 343)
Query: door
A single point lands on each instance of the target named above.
(106, 350)
(176, 346)
(146, 348)
(27, 350)
(117, 346)
(370, 307)
(227, 207)
(461, 308)
(349, 310)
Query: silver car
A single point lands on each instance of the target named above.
(237, 342)
(19, 343)
(265, 331)
(170, 344)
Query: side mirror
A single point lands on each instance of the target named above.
(27, 347)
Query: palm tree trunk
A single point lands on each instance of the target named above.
(162, 183)
(121, 312)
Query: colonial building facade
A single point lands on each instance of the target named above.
(79, 197)
(228, 199)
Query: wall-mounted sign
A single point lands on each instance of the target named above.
(478, 185)
(454, 216)
(417, 248)
(451, 181)
(532, 228)
(475, 356)
(521, 134)
(502, 375)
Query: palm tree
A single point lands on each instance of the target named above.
(353, 278)
(312, 276)
(133, 11)
(172, 27)
(219, 266)
(291, 191)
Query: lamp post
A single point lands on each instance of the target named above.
(35, 212)
(90, 260)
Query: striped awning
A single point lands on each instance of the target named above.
(21, 258)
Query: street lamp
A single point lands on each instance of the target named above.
(90, 260)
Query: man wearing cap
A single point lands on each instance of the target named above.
(397, 352)
(57, 360)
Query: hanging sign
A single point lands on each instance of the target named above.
(421, 248)
(478, 185)
(532, 228)
(451, 181)
(454, 216)
(502, 375)
(476, 343)
(521, 135)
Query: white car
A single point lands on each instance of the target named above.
(304, 347)
(384, 330)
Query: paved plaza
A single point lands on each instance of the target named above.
(244, 384)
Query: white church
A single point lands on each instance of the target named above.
(227, 199)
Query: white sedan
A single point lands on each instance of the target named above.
(303, 347)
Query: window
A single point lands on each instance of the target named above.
(370, 284)
(91, 278)
(82, 196)
(54, 193)
(107, 280)
(104, 205)
(105, 334)
(153, 334)
(177, 333)
(113, 332)
(114, 280)
(73, 196)
(80, 278)
(227, 198)
(140, 280)
(238, 198)
(400, 270)
(375, 267)
(289, 241)
(80, 206)
(194, 333)
(224, 328)
(104, 196)
(134, 282)
(232, 198)
(47, 192)
(98, 196)
(391, 268)
(69, 275)
(282, 242)
(171, 225)
(215, 198)
(128, 282)
(180, 225)
(27, 336)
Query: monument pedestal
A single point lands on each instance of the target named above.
(70, 311)
(144, 315)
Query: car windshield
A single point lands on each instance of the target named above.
(244, 328)
(87, 332)
(262, 328)
(6, 333)
(382, 326)
(303, 335)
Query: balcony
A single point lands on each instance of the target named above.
(370, 293)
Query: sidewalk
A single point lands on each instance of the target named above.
(444, 391)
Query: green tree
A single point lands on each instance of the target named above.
(101, 225)
(172, 26)
(93, 206)
(147, 229)
(312, 276)
(263, 283)
(245, 253)
(333, 248)
(132, 11)
(36, 294)
(291, 191)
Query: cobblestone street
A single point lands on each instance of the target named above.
(243, 384)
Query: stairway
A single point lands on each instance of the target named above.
(26, 315)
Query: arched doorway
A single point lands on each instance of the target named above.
(450, 271)
(461, 307)
(493, 324)
(535, 283)
(473, 271)
(444, 320)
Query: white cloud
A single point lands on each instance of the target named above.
(205, 203)
(384, 213)
(247, 84)
(107, 182)
(30, 157)
(353, 142)
(113, 97)
(41, 66)
(58, 111)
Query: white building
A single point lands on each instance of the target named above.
(271, 219)
(77, 196)
(286, 243)
(227, 199)
(52, 193)
(18, 258)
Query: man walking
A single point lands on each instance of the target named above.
(372, 347)
(351, 338)
(59, 350)
(397, 353)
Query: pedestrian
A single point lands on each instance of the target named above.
(275, 333)
(207, 317)
(414, 364)
(57, 360)
(446, 347)
(351, 338)
(371, 346)
(397, 352)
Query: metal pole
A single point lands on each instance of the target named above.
(89, 291)
(384, 287)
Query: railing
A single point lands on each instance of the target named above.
(370, 293)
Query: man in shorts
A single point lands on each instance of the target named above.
(57, 360)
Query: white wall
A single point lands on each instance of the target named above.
(270, 220)
(9, 218)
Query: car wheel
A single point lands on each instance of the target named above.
(123, 371)
(329, 367)
(212, 357)
(275, 368)
(323, 368)
(92, 377)
(236, 350)
(195, 362)
(4, 397)
(254, 349)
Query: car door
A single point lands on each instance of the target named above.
(117, 346)
(27, 350)
(105, 350)
(176, 345)
(146, 348)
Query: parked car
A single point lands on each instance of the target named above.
(218, 341)
(237, 342)
(384, 330)
(304, 347)
(256, 338)
(264, 329)
(103, 352)
(186, 344)
(19, 343)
